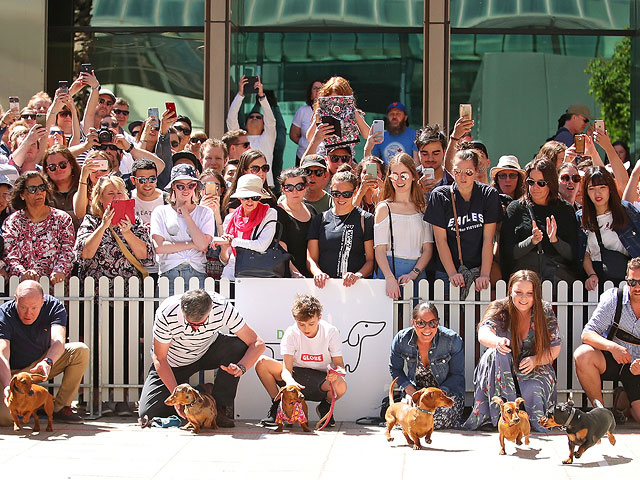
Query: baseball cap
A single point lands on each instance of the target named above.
(313, 161)
(106, 91)
(398, 105)
(578, 109)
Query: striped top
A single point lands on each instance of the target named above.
(187, 344)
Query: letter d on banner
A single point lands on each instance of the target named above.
(279, 334)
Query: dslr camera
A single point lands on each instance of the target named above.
(105, 135)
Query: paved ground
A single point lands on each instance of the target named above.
(115, 448)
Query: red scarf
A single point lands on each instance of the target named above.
(238, 226)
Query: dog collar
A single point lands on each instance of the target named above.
(191, 404)
(429, 412)
(564, 425)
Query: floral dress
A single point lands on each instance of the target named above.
(45, 246)
(493, 376)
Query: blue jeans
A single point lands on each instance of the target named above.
(185, 271)
(403, 266)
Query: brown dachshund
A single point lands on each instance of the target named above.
(292, 408)
(513, 424)
(199, 408)
(25, 399)
(416, 422)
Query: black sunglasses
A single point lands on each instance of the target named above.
(339, 158)
(102, 101)
(185, 130)
(106, 147)
(422, 323)
(541, 183)
(174, 144)
(256, 169)
(143, 180)
(318, 172)
(28, 116)
(36, 188)
(288, 187)
(253, 199)
(197, 140)
(244, 144)
(566, 177)
(117, 111)
(64, 113)
(632, 282)
(254, 117)
(338, 194)
(110, 125)
(62, 166)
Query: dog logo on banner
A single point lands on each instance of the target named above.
(356, 336)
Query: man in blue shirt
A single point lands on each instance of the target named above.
(398, 137)
(573, 122)
(32, 339)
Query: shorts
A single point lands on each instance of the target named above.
(622, 373)
(312, 380)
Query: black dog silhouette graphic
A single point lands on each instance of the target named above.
(356, 336)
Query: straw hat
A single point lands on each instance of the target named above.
(250, 185)
(507, 162)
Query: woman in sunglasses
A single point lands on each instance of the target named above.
(569, 184)
(541, 230)
(427, 354)
(63, 172)
(340, 241)
(38, 239)
(182, 230)
(616, 223)
(403, 240)
(62, 113)
(254, 162)
(96, 164)
(295, 217)
(522, 339)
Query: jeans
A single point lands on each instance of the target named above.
(185, 271)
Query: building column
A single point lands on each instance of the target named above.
(217, 34)
(436, 38)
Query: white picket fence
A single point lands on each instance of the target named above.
(118, 327)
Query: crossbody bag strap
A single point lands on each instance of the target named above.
(393, 253)
(130, 256)
(616, 316)
(257, 234)
(455, 219)
(600, 244)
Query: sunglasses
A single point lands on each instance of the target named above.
(256, 169)
(289, 187)
(254, 117)
(318, 172)
(403, 176)
(188, 186)
(541, 183)
(28, 116)
(185, 130)
(143, 180)
(510, 176)
(253, 199)
(339, 158)
(106, 147)
(110, 125)
(431, 323)
(103, 102)
(566, 177)
(36, 188)
(174, 144)
(195, 140)
(53, 167)
(468, 172)
(117, 111)
(64, 113)
(632, 282)
(244, 144)
(338, 194)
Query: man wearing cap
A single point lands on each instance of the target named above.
(398, 137)
(185, 157)
(237, 143)
(571, 123)
(315, 167)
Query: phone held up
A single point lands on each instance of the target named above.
(371, 170)
(578, 141)
(466, 111)
(377, 126)
(171, 107)
(598, 125)
(154, 115)
(14, 104)
(63, 86)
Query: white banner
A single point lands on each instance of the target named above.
(362, 313)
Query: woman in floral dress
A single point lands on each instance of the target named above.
(521, 333)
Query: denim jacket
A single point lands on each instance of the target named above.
(446, 357)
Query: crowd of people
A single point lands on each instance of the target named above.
(100, 194)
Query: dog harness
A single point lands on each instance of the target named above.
(296, 416)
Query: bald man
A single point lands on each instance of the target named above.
(32, 339)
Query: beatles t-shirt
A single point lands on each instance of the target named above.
(482, 208)
(316, 352)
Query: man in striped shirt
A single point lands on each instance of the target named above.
(187, 338)
(617, 358)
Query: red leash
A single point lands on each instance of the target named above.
(327, 417)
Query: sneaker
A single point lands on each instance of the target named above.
(270, 419)
(108, 408)
(222, 420)
(67, 415)
(322, 409)
(123, 409)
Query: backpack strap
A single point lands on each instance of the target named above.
(616, 317)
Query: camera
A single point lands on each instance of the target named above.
(105, 135)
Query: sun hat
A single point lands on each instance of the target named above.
(182, 172)
(507, 162)
(250, 185)
(578, 109)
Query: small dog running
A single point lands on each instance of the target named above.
(25, 399)
(292, 408)
(199, 408)
(513, 424)
(583, 429)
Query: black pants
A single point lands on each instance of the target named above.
(225, 350)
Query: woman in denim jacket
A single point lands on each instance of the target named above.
(430, 355)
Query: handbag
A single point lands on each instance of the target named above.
(393, 253)
(272, 263)
(129, 256)
(612, 265)
(469, 274)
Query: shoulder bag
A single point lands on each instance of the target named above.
(130, 256)
(612, 265)
(270, 264)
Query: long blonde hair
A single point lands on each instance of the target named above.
(389, 192)
(97, 209)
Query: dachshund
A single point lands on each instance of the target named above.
(199, 408)
(292, 408)
(514, 422)
(25, 399)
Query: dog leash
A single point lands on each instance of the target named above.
(333, 399)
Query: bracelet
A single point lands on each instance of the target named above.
(242, 368)
(593, 274)
(260, 97)
(83, 183)
(454, 138)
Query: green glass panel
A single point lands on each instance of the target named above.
(135, 13)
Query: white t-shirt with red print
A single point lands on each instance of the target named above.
(316, 352)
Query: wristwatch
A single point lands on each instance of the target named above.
(416, 270)
(49, 361)
(128, 150)
(260, 97)
(242, 367)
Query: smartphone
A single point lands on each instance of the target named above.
(578, 141)
(171, 107)
(155, 115)
(599, 126)
(86, 68)
(249, 88)
(63, 86)
(371, 169)
(41, 119)
(14, 104)
(466, 111)
(122, 209)
(428, 173)
(211, 188)
(377, 126)
(334, 122)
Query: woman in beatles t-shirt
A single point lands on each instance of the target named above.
(340, 241)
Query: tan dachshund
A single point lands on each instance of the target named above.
(25, 399)
(199, 408)
(416, 422)
(292, 408)
(513, 424)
